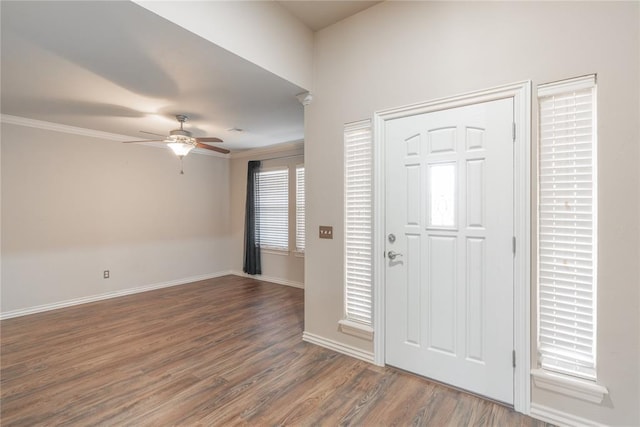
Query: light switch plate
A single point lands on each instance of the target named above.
(326, 232)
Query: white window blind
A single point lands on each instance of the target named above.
(567, 227)
(358, 153)
(300, 207)
(272, 208)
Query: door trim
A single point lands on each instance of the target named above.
(521, 94)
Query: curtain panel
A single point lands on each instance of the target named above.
(252, 263)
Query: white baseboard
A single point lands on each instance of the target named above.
(275, 280)
(559, 418)
(367, 356)
(114, 294)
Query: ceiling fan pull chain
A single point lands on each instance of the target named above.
(181, 165)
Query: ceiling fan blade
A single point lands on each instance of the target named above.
(144, 140)
(209, 139)
(151, 133)
(209, 147)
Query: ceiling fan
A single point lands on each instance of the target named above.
(182, 142)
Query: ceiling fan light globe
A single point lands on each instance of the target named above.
(180, 148)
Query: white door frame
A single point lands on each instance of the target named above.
(521, 94)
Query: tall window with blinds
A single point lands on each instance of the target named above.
(567, 257)
(358, 176)
(300, 208)
(272, 208)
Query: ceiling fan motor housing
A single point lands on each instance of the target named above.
(181, 135)
(178, 133)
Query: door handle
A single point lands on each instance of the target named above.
(392, 255)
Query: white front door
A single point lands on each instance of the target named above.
(449, 217)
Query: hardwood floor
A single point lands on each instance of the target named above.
(225, 351)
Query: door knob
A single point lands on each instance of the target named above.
(392, 255)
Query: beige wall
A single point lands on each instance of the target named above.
(281, 267)
(398, 53)
(73, 206)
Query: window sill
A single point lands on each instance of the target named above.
(275, 251)
(298, 254)
(569, 386)
(356, 329)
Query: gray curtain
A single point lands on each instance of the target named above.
(251, 225)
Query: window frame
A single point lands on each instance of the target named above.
(354, 293)
(270, 248)
(300, 229)
(580, 379)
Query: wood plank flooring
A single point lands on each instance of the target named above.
(219, 352)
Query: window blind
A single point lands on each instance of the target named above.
(567, 227)
(358, 152)
(300, 208)
(272, 208)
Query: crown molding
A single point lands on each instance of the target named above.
(272, 149)
(57, 127)
(74, 130)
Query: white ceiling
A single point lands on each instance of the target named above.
(116, 67)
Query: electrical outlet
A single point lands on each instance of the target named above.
(105, 274)
(326, 232)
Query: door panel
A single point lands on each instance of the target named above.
(449, 201)
(442, 293)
